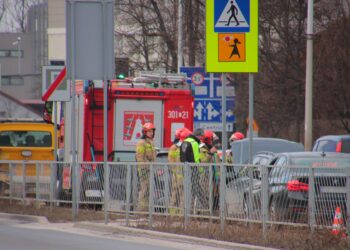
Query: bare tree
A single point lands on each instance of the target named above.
(332, 90)
(150, 40)
(279, 85)
(2, 9)
(17, 11)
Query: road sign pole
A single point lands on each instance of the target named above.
(71, 58)
(250, 125)
(179, 39)
(251, 116)
(224, 146)
(223, 117)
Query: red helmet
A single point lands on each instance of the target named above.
(236, 136)
(208, 137)
(178, 133)
(185, 133)
(147, 126)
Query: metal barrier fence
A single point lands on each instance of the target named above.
(262, 194)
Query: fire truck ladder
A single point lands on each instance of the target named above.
(96, 108)
(162, 80)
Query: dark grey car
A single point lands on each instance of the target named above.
(332, 143)
(288, 185)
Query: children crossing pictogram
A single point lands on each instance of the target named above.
(232, 16)
(231, 47)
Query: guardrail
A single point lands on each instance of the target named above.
(268, 195)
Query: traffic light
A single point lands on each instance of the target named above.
(120, 76)
(121, 67)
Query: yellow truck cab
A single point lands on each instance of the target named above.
(25, 140)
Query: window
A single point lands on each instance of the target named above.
(12, 80)
(345, 146)
(4, 53)
(11, 53)
(16, 53)
(25, 139)
(16, 80)
(326, 146)
(57, 62)
(5, 80)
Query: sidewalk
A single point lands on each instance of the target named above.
(117, 227)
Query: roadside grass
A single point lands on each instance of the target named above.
(277, 236)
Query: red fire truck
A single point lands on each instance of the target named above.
(162, 99)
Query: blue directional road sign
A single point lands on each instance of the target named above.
(207, 96)
(231, 16)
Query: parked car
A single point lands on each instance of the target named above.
(288, 185)
(239, 186)
(332, 143)
(240, 155)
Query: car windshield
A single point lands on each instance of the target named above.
(326, 146)
(25, 139)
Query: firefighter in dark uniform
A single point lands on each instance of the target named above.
(189, 152)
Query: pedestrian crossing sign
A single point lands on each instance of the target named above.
(232, 36)
(231, 16)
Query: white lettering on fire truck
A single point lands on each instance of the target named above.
(174, 114)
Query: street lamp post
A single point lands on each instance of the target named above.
(18, 43)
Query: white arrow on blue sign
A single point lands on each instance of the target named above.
(211, 111)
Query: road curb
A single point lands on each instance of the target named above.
(28, 218)
(117, 228)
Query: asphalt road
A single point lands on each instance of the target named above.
(20, 232)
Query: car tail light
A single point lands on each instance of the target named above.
(338, 148)
(295, 185)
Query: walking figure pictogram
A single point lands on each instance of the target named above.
(234, 12)
(235, 50)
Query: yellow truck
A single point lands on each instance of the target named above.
(25, 141)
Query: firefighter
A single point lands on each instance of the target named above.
(208, 154)
(145, 152)
(177, 171)
(189, 152)
(236, 136)
(205, 148)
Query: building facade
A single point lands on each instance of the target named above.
(22, 56)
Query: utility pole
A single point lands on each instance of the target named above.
(309, 80)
